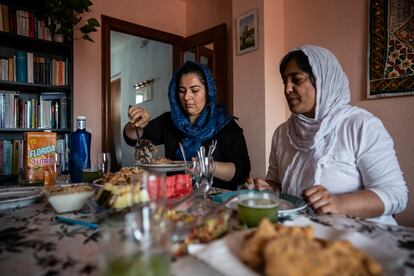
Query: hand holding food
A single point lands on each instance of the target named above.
(138, 117)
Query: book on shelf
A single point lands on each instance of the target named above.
(32, 25)
(1, 18)
(12, 71)
(15, 157)
(5, 13)
(46, 110)
(21, 63)
(8, 109)
(7, 157)
(54, 111)
(12, 20)
(22, 22)
(30, 67)
(1, 154)
(4, 68)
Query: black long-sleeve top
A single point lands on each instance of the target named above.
(231, 146)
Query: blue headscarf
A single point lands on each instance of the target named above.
(213, 117)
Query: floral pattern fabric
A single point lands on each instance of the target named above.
(32, 242)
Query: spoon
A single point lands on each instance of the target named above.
(136, 129)
(145, 150)
(182, 152)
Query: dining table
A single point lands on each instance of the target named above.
(34, 242)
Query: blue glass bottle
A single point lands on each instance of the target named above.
(80, 150)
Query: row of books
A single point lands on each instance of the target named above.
(30, 68)
(23, 23)
(48, 110)
(12, 155)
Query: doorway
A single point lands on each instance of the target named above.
(141, 60)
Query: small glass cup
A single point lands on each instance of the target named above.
(254, 205)
(135, 244)
(138, 243)
(53, 168)
(104, 163)
(90, 174)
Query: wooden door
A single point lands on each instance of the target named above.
(210, 48)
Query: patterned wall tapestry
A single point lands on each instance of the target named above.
(391, 48)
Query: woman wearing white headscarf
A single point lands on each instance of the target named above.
(340, 158)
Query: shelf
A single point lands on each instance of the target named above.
(34, 45)
(46, 57)
(11, 179)
(32, 87)
(34, 129)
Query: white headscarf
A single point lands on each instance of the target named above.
(314, 138)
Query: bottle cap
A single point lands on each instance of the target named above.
(81, 118)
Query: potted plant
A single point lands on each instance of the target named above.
(64, 15)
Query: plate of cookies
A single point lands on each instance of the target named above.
(277, 249)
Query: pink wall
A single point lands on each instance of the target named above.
(248, 90)
(342, 26)
(164, 15)
(275, 106)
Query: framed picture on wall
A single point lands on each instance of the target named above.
(391, 49)
(246, 28)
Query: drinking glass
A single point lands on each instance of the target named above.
(254, 205)
(53, 168)
(90, 174)
(139, 241)
(134, 245)
(104, 163)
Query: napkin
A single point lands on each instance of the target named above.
(224, 254)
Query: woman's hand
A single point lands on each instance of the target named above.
(321, 200)
(362, 203)
(259, 184)
(138, 117)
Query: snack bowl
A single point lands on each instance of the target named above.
(68, 198)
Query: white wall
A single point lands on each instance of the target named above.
(134, 63)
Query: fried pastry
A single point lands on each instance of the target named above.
(251, 253)
(289, 251)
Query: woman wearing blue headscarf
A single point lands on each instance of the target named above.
(195, 120)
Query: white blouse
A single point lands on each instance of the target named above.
(363, 157)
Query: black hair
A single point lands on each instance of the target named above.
(190, 67)
(302, 61)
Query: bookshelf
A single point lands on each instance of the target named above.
(36, 83)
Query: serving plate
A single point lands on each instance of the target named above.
(97, 183)
(287, 203)
(224, 254)
(15, 197)
(175, 166)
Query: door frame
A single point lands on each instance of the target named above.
(112, 24)
(216, 35)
